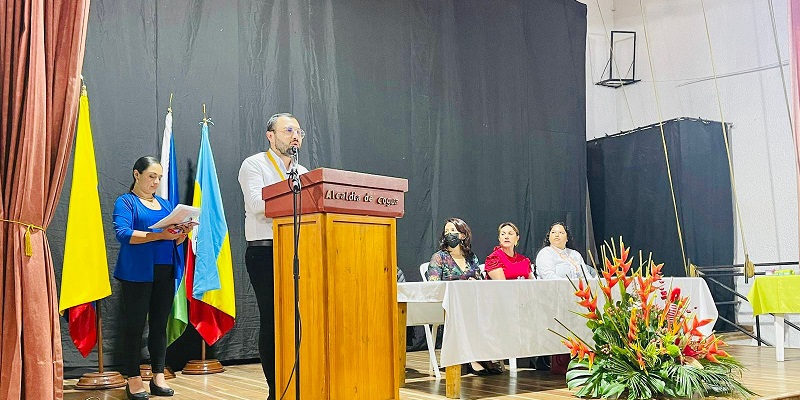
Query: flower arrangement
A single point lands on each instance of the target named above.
(643, 348)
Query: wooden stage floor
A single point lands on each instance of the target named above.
(767, 377)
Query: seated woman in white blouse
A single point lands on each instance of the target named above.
(556, 259)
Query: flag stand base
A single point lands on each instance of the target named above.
(147, 372)
(203, 367)
(100, 381)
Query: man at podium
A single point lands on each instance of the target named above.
(262, 169)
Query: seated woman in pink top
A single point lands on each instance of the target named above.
(504, 262)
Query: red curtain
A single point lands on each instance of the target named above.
(794, 57)
(42, 49)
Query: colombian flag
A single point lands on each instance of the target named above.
(84, 277)
(209, 270)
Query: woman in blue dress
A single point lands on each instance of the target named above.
(147, 264)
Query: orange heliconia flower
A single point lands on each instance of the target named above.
(591, 358)
(584, 292)
(640, 359)
(590, 304)
(632, 327)
(607, 291)
(696, 324)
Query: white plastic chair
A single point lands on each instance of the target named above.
(430, 335)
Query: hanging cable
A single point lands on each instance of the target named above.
(663, 139)
(780, 67)
(749, 268)
(783, 78)
(614, 60)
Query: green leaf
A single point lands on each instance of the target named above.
(612, 390)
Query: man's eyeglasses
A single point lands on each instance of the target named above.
(291, 131)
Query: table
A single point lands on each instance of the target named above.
(497, 320)
(778, 295)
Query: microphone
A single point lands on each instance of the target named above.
(293, 151)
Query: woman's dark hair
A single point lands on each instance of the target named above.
(546, 241)
(466, 244)
(141, 165)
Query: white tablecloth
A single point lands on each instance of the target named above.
(496, 320)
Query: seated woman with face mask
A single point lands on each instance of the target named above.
(455, 259)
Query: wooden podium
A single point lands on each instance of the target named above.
(348, 285)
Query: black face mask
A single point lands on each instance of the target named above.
(452, 240)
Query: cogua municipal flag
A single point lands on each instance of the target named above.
(168, 189)
(84, 277)
(209, 269)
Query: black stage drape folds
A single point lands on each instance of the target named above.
(630, 196)
(479, 104)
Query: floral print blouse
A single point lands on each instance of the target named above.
(444, 268)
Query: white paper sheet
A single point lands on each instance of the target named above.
(181, 214)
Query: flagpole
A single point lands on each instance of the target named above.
(89, 260)
(100, 380)
(99, 338)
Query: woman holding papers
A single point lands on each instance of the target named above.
(505, 262)
(557, 259)
(146, 267)
(455, 259)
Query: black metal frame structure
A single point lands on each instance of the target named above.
(619, 82)
(710, 273)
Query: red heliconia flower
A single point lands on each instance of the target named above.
(582, 350)
(611, 267)
(632, 327)
(626, 281)
(591, 305)
(655, 271)
(625, 267)
(607, 291)
(645, 289)
(640, 359)
(674, 294)
(584, 292)
(646, 310)
(611, 280)
(625, 251)
(694, 331)
(712, 350)
(689, 351)
(571, 346)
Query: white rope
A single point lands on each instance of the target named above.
(725, 132)
(663, 139)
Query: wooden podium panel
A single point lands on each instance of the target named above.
(348, 307)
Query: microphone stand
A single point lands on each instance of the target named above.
(294, 183)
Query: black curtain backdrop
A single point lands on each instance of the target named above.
(630, 196)
(479, 104)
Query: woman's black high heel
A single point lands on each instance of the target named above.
(478, 372)
(156, 390)
(135, 396)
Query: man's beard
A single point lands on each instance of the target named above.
(283, 148)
